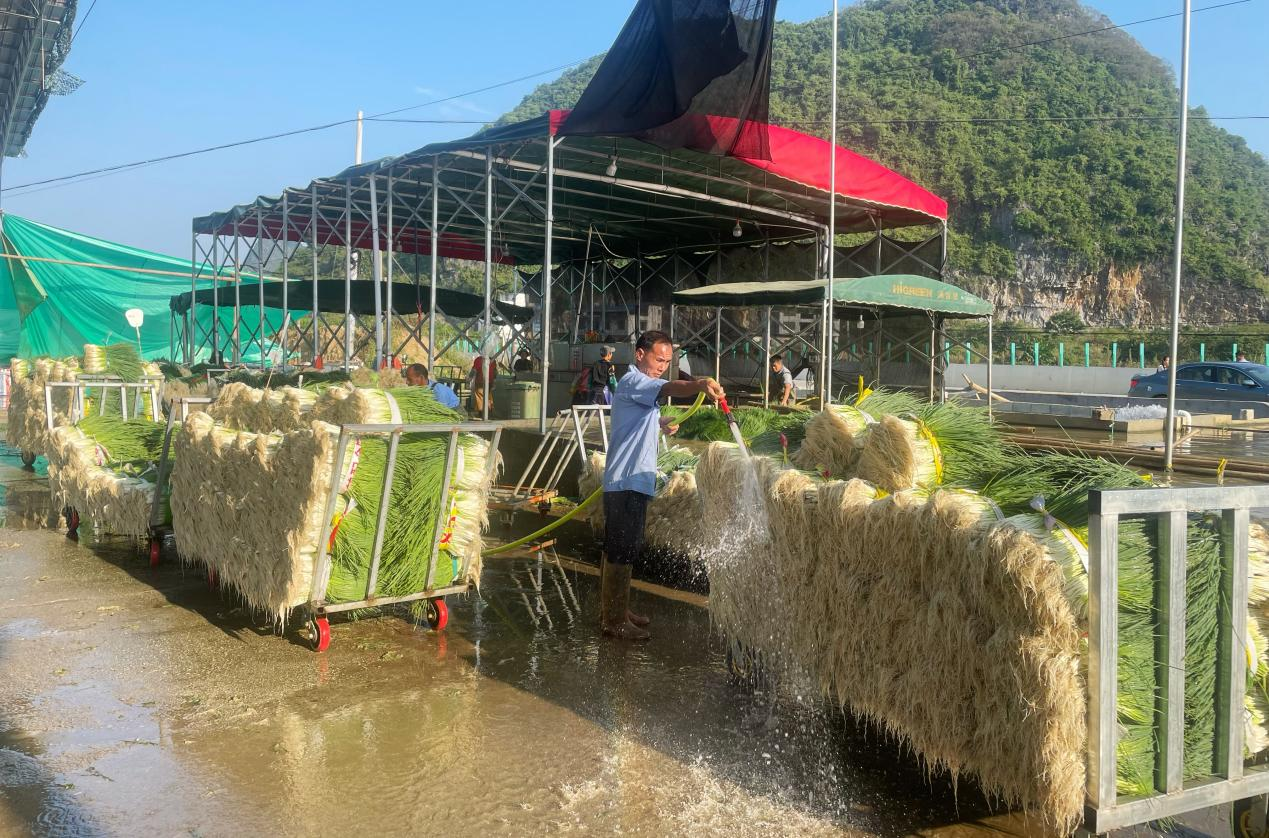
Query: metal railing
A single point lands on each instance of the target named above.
(322, 564)
(1231, 780)
(79, 391)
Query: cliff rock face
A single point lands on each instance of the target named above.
(1137, 296)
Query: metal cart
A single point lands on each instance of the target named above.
(78, 398)
(1231, 781)
(319, 610)
(158, 529)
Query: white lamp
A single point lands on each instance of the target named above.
(135, 318)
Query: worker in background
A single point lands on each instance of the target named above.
(781, 381)
(1241, 357)
(630, 474)
(524, 362)
(416, 375)
(476, 382)
(603, 377)
(1164, 364)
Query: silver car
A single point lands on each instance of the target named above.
(1227, 381)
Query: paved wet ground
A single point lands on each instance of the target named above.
(137, 701)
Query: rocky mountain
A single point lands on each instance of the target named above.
(1058, 158)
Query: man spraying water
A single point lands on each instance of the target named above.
(630, 474)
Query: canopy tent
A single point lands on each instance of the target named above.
(330, 298)
(889, 291)
(60, 290)
(530, 193)
(886, 299)
(683, 196)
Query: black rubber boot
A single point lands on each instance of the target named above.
(615, 607)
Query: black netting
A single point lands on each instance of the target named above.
(677, 62)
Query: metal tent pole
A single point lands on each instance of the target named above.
(193, 295)
(718, 343)
(286, 273)
(312, 219)
(1169, 424)
(990, 352)
(260, 283)
(766, 348)
(375, 270)
(435, 248)
(485, 336)
(827, 389)
(933, 350)
(348, 268)
(546, 279)
(877, 347)
(237, 299)
(215, 265)
(389, 349)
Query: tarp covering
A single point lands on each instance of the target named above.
(79, 295)
(885, 291)
(407, 298)
(679, 59)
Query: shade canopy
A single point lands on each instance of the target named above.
(407, 298)
(907, 292)
(614, 196)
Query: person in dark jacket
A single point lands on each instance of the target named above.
(603, 377)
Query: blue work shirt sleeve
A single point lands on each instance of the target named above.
(642, 390)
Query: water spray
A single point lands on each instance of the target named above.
(734, 426)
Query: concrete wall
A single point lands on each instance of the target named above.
(1105, 380)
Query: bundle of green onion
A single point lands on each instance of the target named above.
(118, 359)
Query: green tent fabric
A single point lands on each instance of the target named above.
(884, 291)
(55, 307)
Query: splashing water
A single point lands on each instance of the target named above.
(747, 527)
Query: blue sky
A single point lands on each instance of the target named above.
(164, 77)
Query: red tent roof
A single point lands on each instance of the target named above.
(803, 158)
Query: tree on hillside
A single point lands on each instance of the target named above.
(1029, 145)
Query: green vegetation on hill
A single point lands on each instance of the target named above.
(1084, 192)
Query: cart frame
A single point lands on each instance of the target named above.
(318, 608)
(1233, 780)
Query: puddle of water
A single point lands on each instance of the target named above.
(136, 702)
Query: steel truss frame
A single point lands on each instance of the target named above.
(607, 230)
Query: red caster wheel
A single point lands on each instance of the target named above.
(156, 550)
(437, 614)
(72, 524)
(319, 633)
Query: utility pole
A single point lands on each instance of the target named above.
(1169, 424)
(360, 123)
(826, 391)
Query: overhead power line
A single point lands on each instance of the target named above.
(379, 117)
(82, 21)
(123, 167)
(991, 120)
(1069, 35)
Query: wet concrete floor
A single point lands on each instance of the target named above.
(137, 701)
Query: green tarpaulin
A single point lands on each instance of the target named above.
(60, 290)
(885, 291)
(406, 299)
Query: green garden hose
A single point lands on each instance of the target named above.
(700, 400)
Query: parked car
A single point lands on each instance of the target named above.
(1230, 381)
